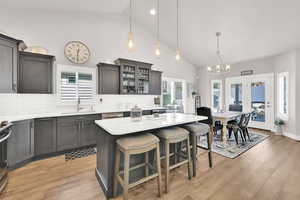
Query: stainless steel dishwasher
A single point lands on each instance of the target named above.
(112, 115)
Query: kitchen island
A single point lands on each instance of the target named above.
(109, 130)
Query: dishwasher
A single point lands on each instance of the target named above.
(112, 115)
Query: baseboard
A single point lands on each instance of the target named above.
(292, 136)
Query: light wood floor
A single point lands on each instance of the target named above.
(269, 171)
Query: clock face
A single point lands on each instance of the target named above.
(77, 52)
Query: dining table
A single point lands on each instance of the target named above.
(224, 117)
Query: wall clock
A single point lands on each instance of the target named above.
(77, 52)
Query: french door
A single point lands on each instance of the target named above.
(255, 93)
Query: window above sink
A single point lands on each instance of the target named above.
(74, 84)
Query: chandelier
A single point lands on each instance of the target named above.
(221, 66)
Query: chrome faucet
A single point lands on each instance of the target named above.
(78, 105)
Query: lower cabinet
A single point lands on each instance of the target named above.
(20, 146)
(67, 133)
(44, 136)
(88, 130)
(76, 131)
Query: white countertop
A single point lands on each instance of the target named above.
(123, 126)
(19, 117)
(226, 115)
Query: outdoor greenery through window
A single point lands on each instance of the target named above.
(216, 94)
(172, 95)
(283, 95)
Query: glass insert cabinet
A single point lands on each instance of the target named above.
(135, 76)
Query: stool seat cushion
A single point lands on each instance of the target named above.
(197, 128)
(172, 133)
(137, 141)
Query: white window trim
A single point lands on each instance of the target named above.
(76, 69)
(282, 115)
(184, 92)
(212, 93)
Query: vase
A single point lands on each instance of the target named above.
(278, 130)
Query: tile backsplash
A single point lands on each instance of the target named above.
(19, 104)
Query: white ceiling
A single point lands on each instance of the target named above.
(251, 28)
(104, 6)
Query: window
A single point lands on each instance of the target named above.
(283, 95)
(75, 83)
(173, 94)
(216, 95)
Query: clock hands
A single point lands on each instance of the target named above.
(78, 54)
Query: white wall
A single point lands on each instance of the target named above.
(286, 62)
(105, 35)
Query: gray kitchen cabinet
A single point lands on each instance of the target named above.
(20, 146)
(109, 79)
(76, 131)
(155, 82)
(88, 130)
(8, 64)
(44, 136)
(35, 73)
(67, 133)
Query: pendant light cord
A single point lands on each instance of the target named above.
(158, 12)
(130, 17)
(177, 24)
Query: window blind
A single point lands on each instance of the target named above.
(76, 85)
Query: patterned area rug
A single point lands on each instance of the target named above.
(230, 149)
(80, 153)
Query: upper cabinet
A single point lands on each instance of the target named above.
(155, 82)
(9, 63)
(135, 77)
(109, 79)
(35, 73)
(23, 72)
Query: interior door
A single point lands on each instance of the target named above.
(260, 100)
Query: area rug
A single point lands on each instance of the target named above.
(80, 153)
(230, 149)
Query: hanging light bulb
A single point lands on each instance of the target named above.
(130, 43)
(177, 55)
(157, 49)
(227, 68)
(209, 69)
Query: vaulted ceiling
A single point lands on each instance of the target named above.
(250, 28)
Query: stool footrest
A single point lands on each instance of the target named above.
(143, 180)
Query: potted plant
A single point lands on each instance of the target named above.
(279, 123)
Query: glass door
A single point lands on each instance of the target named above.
(260, 100)
(253, 93)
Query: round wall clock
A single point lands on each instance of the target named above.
(77, 52)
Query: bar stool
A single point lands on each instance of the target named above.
(132, 145)
(175, 135)
(196, 130)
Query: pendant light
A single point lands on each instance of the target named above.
(157, 48)
(177, 48)
(221, 66)
(130, 43)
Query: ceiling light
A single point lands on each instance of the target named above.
(157, 49)
(220, 67)
(130, 43)
(177, 55)
(152, 11)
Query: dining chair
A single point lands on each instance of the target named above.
(244, 125)
(206, 112)
(236, 128)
